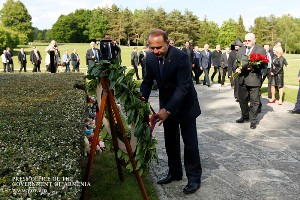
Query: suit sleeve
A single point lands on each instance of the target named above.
(184, 82)
(147, 83)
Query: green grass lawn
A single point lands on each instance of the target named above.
(107, 186)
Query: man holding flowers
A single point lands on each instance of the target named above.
(251, 58)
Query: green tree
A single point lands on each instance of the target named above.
(98, 24)
(228, 33)
(208, 33)
(15, 16)
(191, 26)
(289, 33)
(175, 27)
(62, 29)
(8, 38)
(128, 33)
(241, 28)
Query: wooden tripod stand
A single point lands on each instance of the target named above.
(107, 100)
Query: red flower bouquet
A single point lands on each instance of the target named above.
(255, 61)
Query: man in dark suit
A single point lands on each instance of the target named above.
(10, 63)
(92, 55)
(224, 65)
(108, 49)
(216, 62)
(142, 60)
(22, 59)
(36, 59)
(179, 106)
(134, 62)
(232, 65)
(249, 81)
(205, 62)
(296, 110)
(188, 49)
(75, 60)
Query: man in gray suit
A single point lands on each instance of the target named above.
(249, 81)
(92, 55)
(205, 62)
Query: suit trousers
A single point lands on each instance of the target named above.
(223, 72)
(191, 152)
(236, 88)
(197, 71)
(297, 105)
(216, 71)
(23, 66)
(206, 76)
(246, 94)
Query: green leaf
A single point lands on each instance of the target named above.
(129, 166)
(119, 153)
(141, 171)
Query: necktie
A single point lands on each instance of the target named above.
(247, 51)
(96, 55)
(207, 53)
(109, 51)
(161, 65)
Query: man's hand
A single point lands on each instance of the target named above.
(201, 68)
(161, 116)
(238, 70)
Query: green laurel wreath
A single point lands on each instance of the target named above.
(126, 93)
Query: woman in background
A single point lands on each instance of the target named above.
(277, 75)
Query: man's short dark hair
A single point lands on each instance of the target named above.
(159, 32)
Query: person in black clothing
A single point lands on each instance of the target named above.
(232, 65)
(142, 60)
(216, 62)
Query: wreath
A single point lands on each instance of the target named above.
(134, 113)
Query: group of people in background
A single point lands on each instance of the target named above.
(249, 81)
(36, 59)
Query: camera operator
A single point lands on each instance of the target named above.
(52, 57)
(109, 50)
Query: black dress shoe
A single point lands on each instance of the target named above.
(191, 188)
(168, 179)
(242, 120)
(253, 126)
(294, 111)
(208, 85)
(259, 109)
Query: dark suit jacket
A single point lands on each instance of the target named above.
(216, 58)
(231, 62)
(249, 77)
(9, 56)
(20, 57)
(134, 58)
(74, 59)
(205, 61)
(224, 60)
(34, 59)
(89, 60)
(105, 49)
(142, 58)
(176, 89)
(191, 54)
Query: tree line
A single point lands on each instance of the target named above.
(132, 28)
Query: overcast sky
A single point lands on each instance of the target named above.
(44, 13)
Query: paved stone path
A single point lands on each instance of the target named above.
(238, 162)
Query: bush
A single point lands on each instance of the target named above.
(41, 134)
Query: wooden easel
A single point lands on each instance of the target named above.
(108, 100)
